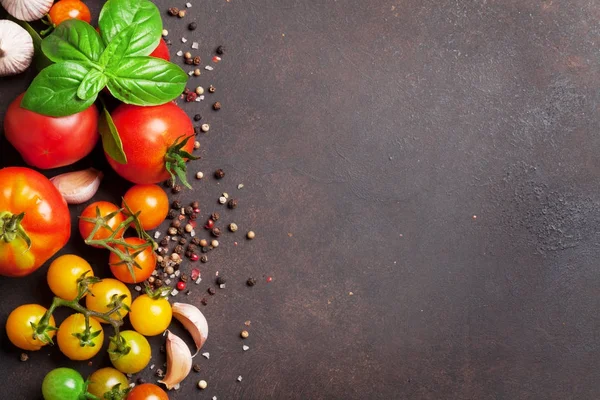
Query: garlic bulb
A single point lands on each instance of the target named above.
(27, 10)
(79, 186)
(179, 361)
(16, 48)
(194, 321)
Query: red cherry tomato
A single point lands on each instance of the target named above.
(151, 201)
(146, 260)
(48, 142)
(69, 9)
(147, 391)
(106, 208)
(146, 134)
(161, 51)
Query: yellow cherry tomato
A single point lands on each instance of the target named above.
(63, 274)
(150, 317)
(70, 345)
(18, 326)
(101, 297)
(138, 356)
(104, 380)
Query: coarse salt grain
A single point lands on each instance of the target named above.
(168, 281)
(208, 68)
(180, 53)
(193, 233)
(201, 97)
(241, 185)
(245, 348)
(156, 235)
(183, 40)
(198, 281)
(138, 288)
(191, 73)
(222, 286)
(152, 366)
(154, 273)
(239, 378)
(188, 5)
(198, 99)
(206, 355)
(177, 273)
(195, 45)
(174, 292)
(172, 276)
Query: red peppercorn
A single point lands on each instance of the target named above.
(197, 210)
(195, 274)
(194, 257)
(209, 224)
(181, 285)
(191, 96)
(269, 279)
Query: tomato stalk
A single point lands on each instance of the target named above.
(11, 228)
(175, 160)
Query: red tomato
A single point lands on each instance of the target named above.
(46, 220)
(147, 133)
(106, 208)
(161, 51)
(69, 9)
(146, 260)
(48, 142)
(152, 203)
(147, 391)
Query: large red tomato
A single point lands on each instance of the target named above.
(161, 51)
(49, 142)
(148, 135)
(31, 209)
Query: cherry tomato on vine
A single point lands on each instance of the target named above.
(146, 260)
(149, 316)
(101, 294)
(151, 201)
(19, 329)
(104, 380)
(147, 391)
(106, 208)
(63, 384)
(70, 345)
(63, 274)
(69, 9)
(138, 356)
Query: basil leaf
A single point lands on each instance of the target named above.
(93, 82)
(53, 92)
(111, 141)
(117, 49)
(146, 81)
(142, 15)
(73, 40)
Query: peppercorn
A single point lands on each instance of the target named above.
(205, 249)
(176, 189)
(233, 227)
(196, 368)
(192, 96)
(189, 210)
(24, 357)
(212, 89)
(219, 174)
(203, 243)
(175, 257)
(195, 204)
(251, 282)
(183, 277)
(194, 257)
(192, 26)
(186, 90)
(217, 106)
(173, 11)
(189, 61)
(158, 283)
(180, 231)
(172, 214)
(176, 204)
(197, 60)
(176, 223)
(205, 128)
(181, 13)
(215, 216)
(232, 204)
(196, 241)
(189, 228)
(220, 50)
(204, 301)
(197, 72)
(251, 235)
(214, 243)
(182, 241)
(199, 90)
(181, 285)
(172, 230)
(197, 117)
(169, 270)
(209, 224)
(178, 249)
(216, 232)
(204, 259)
(211, 291)
(164, 242)
(151, 279)
(244, 334)
(188, 253)
(221, 280)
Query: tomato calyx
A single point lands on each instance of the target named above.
(175, 160)
(11, 228)
(121, 348)
(116, 393)
(156, 294)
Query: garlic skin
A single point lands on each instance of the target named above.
(27, 10)
(79, 186)
(194, 321)
(16, 48)
(179, 361)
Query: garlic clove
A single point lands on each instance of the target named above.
(27, 10)
(194, 321)
(179, 361)
(79, 186)
(16, 48)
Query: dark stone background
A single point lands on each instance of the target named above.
(368, 135)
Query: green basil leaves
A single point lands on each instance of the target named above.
(87, 61)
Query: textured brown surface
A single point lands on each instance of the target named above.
(368, 134)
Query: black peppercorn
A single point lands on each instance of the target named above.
(173, 11)
(197, 117)
(176, 223)
(204, 259)
(188, 253)
(180, 231)
(195, 241)
(164, 242)
(211, 291)
(216, 232)
(189, 61)
(140, 381)
(189, 210)
(215, 216)
(221, 280)
(205, 249)
(172, 214)
(182, 241)
(196, 368)
(176, 204)
(195, 204)
(219, 174)
(217, 106)
(212, 89)
(178, 249)
(197, 60)
(183, 277)
(220, 50)
(176, 189)
(251, 282)
(192, 26)
(232, 203)
(204, 301)
(158, 283)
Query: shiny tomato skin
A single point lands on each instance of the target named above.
(63, 274)
(101, 294)
(147, 133)
(161, 51)
(151, 201)
(138, 356)
(146, 260)
(63, 384)
(47, 220)
(106, 208)
(70, 346)
(19, 329)
(69, 9)
(104, 380)
(149, 316)
(50, 142)
(147, 391)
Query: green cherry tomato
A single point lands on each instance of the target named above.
(63, 384)
(104, 380)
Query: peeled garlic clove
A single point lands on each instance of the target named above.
(16, 48)
(27, 10)
(194, 321)
(179, 361)
(79, 186)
